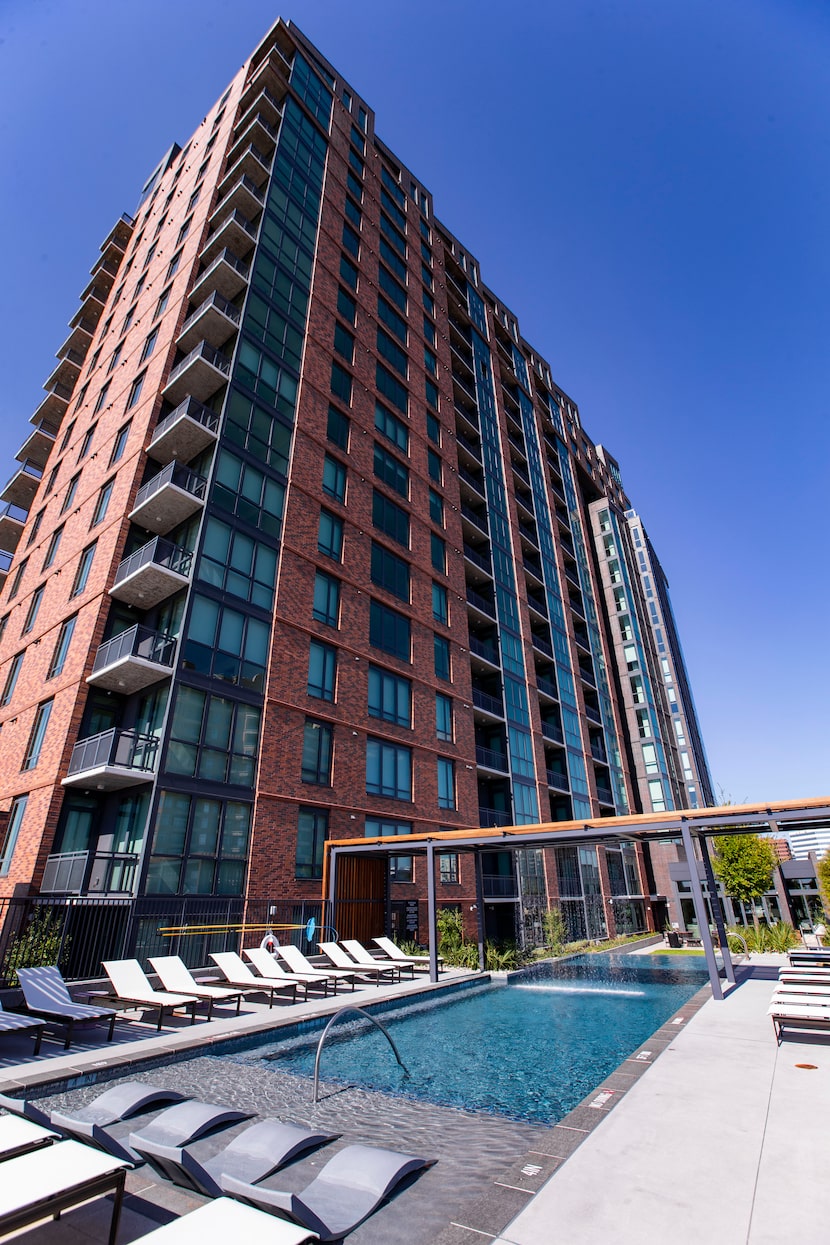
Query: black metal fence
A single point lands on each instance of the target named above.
(77, 933)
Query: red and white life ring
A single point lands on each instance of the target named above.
(270, 944)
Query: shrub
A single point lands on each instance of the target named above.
(555, 930)
(36, 943)
(778, 937)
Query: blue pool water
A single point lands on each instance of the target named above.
(530, 1050)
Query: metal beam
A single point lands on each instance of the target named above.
(431, 915)
(700, 912)
(717, 909)
(480, 911)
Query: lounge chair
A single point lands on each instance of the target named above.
(227, 1220)
(92, 1123)
(265, 964)
(364, 956)
(236, 971)
(298, 963)
(253, 1155)
(131, 987)
(19, 1136)
(346, 1191)
(10, 1022)
(181, 1124)
(26, 1109)
(790, 1015)
(45, 992)
(394, 952)
(40, 1185)
(176, 976)
(340, 959)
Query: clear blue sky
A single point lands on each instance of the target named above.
(646, 184)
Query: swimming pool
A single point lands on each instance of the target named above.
(530, 1050)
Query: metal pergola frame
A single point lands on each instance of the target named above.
(683, 825)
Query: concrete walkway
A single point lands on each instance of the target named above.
(723, 1140)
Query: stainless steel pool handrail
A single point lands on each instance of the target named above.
(350, 1007)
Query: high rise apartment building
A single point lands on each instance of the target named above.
(307, 542)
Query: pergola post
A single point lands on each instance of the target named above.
(717, 909)
(479, 909)
(431, 914)
(700, 911)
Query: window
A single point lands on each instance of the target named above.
(84, 567)
(67, 436)
(114, 357)
(62, 647)
(448, 868)
(316, 763)
(32, 612)
(120, 443)
(11, 678)
(643, 723)
(312, 829)
(326, 607)
(18, 578)
(390, 518)
(389, 631)
(102, 503)
(391, 235)
(337, 429)
(391, 288)
(354, 186)
(442, 657)
(438, 553)
(344, 345)
(390, 697)
(393, 354)
(351, 240)
(322, 670)
(16, 815)
(658, 799)
(429, 331)
(354, 214)
(173, 266)
(356, 162)
(213, 738)
(436, 507)
(434, 465)
(184, 231)
(346, 305)
(69, 495)
(348, 272)
(4, 622)
(440, 604)
(334, 478)
(330, 535)
(357, 138)
(400, 867)
(390, 572)
(433, 429)
(388, 770)
(149, 345)
(394, 429)
(446, 783)
(33, 534)
(37, 735)
(341, 383)
(86, 443)
(391, 388)
(135, 391)
(390, 471)
(101, 399)
(164, 298)
(235, 563)
(443, 717)
(392, 320)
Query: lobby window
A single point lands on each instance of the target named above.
(322, 670)
(37, 735)
(326, 608)
(102, 503)
(32, 612)
(316, 763)
(62, 647)
(441, 648)
(337, 428)
(388, 770)
(334, 478)
(84, 567)
(446, 783)
(389, 631)
(312, 829)
(390, 697)
(443, 717)
(440, 604)
(390, 572)
(330, 535)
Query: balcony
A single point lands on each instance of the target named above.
(213, 321)
(537, 603)
(598, 752)
(256, 132)
(21, 488)
(491, 705)
(64, 873)
(184, 433)
(489, 758)
(481, 560)
(112, 760)
(38, 445)
(605, 795)
(227, 275)
(487, 652)
(481, 604)
(169, 498)
(533, 567)
(553, 731)
(492, 817)
(587, 676)
(472, 447)
(94, 299)
(199, 375)
(496, 885)
(477, 517)
(251, 163)
(244, 196)
(542, 645)
(272, 76)
(530, 534)
(558, 781)
(265, 105)
(67, 371)
(475, 481)
(153, 573)
(234, 232)
(5, 565)
(53, 405)
(132, 660)
(546, 687)
(12, 520)
(593, 714)
(111, 873)
(79, 338)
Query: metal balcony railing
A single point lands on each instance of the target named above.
(122, 749)
(174, 473)
(193, 410)
(137, 641)
(160, 552)
(490, 704)
(490, 758)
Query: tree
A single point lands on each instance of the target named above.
(823, 875)
(744, 864)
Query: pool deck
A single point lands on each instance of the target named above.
(724, 1139)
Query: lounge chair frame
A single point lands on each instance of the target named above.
(46, 994)
(163, 1000)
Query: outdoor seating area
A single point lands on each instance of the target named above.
(46, 1170)
(801, 998)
